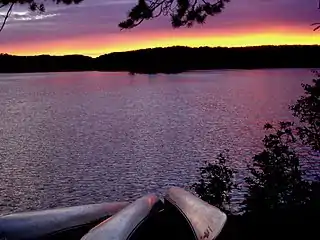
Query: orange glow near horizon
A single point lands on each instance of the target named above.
(125, 41)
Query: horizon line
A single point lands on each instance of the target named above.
(150, 48)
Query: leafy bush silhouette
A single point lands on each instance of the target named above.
(182, 12)
(276, 184)
(307, 109)
(279, 202)
(216, 183)
(276, 179)
(33, 5)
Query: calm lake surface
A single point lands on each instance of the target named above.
(78, 138)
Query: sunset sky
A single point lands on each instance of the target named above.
(91, 28)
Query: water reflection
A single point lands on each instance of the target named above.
(79, 138)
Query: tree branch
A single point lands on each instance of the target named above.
(6, 16)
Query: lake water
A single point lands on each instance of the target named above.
(78, 138)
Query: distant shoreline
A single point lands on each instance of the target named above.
(170, 60)
(188, 71)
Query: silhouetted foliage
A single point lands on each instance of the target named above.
(276, 181)
(279, 202)
(36, 5)
(182, 12)
(171, 60)
(33, 5)
(316, 25)
(307, 109)
(216, 183)
(180, 59)
(45, 63)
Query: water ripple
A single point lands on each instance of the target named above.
(78, 138)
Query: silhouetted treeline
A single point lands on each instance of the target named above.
(281, 200)
(179, 59)
(44, 63)
(172, 60)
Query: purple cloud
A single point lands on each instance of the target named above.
(102, 16)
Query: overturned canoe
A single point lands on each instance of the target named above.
(64, 223)
(180, 215)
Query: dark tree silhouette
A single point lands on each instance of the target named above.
(181, 59)
(187, 59)
(278, 194)
(182, 12)
(216, 183)
(276, 181)
(33, 5)
(307, 109)
(317, 24)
